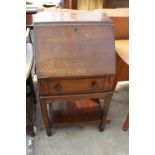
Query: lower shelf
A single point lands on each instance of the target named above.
(75, 112)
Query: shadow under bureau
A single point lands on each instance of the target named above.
(75, 59)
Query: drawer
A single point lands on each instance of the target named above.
(74, 86)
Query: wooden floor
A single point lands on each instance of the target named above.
(69, 113)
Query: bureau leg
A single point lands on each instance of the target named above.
(105, 111)
(46, 118)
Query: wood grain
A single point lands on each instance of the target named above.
(75, 48)
(75, 59)
(75, 112)
(49, 99)
(74, 86)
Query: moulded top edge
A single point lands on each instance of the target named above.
(68, 17)
(72, 23)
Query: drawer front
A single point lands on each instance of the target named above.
(74, 86)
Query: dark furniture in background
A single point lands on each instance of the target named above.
(29, 13)
(30, 93)
(30, 71)
(120, 18)
(69, 4)
(122, 49)
(72, 4)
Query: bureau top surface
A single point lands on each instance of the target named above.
(70, 16)
(75, 50)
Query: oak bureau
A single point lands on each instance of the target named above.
(75, 59)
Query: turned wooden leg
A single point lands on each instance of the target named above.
(126, 123)
(105, 111)
(45, 118)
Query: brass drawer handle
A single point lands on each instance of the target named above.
(94, 84)
(58, 87)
